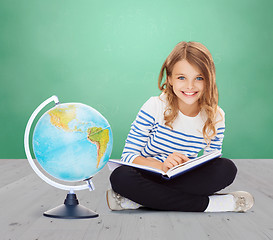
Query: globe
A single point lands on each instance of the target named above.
(72, 141)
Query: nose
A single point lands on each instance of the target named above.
(190, 85)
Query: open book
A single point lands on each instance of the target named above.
(173, 172)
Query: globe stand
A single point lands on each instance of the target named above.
(71, 209)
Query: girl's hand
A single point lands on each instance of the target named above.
(174, 159)
(149, 161)
(154, 163)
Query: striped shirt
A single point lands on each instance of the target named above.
(150, 137)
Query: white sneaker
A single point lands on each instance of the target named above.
(243, 201)
(116, 202)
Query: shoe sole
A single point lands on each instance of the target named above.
(107, 199)
(248, 197)
(114, 208)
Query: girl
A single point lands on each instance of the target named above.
(171, 129)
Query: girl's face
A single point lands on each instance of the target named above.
(188, 85)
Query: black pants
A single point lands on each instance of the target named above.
(188, 192)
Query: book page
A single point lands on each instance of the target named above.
(198, 160)
(114, 163)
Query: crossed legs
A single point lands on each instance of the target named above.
(188, 192)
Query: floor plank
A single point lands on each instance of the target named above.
(24, 198)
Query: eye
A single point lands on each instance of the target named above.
(200, 78)
(181, 78)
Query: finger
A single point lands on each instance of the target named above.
(168, 165)
(174, 159)
(174, 162)
(178, 159)
(184, 157)
(165, 169)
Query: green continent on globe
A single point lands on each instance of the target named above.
(100, 137)
(61, 117)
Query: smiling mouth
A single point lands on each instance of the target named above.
(189, 94)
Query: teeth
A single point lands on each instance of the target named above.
(189, 93)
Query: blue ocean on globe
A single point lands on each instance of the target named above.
(72, 141)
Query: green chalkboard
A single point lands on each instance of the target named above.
(108, 54)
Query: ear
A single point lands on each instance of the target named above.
(169, 80)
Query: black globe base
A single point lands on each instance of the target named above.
(71, 209)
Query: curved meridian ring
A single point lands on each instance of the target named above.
(31, 162)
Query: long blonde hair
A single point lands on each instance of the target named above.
(198, 56)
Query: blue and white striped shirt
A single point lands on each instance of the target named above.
(150, 137)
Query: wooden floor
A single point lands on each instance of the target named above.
(24, 197)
